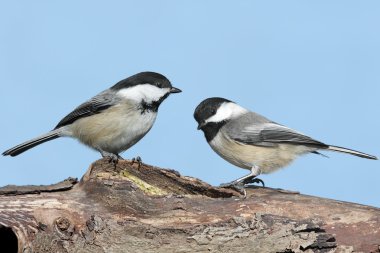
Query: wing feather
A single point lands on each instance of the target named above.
(254, 129)
(93, 106)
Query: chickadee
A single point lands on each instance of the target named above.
(251, 141)
(115, 119)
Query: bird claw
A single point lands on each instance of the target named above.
(253, 180)
(112, 158)
(137, 160)
(240, 186)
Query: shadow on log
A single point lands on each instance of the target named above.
(134, 208)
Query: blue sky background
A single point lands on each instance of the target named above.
(311, 65)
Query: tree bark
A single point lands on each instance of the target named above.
(133, 208)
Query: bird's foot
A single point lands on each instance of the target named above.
(137, 160)
(112, 158)
(252, 180)
(240, 185)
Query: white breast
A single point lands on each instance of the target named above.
(115, 129)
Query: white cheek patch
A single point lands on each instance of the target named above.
(227, 111)
(146, 92)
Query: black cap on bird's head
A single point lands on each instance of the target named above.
(207, 108)
(152, 78)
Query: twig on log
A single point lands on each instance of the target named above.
(64, 185)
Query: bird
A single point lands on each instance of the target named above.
(114, 120)
(251, 141)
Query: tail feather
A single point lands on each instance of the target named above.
(352, 152)
(32, 143)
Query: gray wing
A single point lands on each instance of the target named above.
(254, 129)
(93, 106)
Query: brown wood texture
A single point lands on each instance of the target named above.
(134, 208)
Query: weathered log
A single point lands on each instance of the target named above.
(132, 208)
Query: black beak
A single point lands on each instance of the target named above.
(200, 125)
(175, 90)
